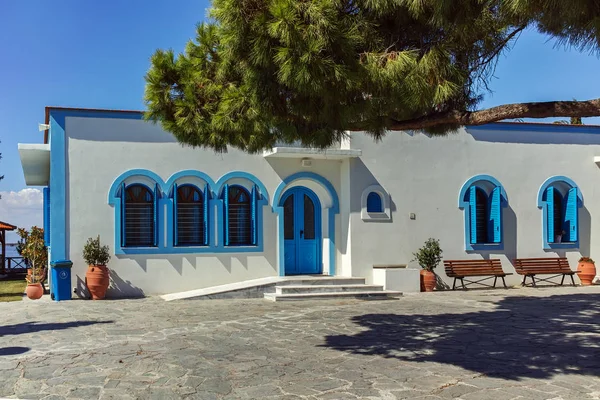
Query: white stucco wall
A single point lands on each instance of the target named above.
(101, 149)
(424, 175)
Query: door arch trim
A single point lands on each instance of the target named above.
(328, 215)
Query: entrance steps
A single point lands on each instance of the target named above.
(287, 288)
(321, 288)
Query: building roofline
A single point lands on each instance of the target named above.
(10, 227)
(500, 125)
(48, 109)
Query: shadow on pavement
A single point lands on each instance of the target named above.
(524, 337)
(29, 327)
(12, 351)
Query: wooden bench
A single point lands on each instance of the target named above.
(461, 269)
(530, 267)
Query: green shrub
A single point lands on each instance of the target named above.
(94, 253)
(430, 255)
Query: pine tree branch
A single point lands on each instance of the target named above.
(589, 108)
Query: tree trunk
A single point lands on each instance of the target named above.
(589, 108)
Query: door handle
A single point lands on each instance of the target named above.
(301, 233)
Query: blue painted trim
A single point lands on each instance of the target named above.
(541, 203)
(463, 204)
(225, 213)
(477, 178)
(278, 209)
(534, 127)
(241, 175)
(46, 216)
(114, 191)
(174, 224)
(58, 176)
(215, 245)
(555, 179)
(189, 173)
(263, 200)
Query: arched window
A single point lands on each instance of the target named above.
(560, 199)
(191, 215)
(240, 215)
(482, 198)
(374, 203)
(139, 210)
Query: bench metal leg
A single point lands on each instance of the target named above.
(562, 280)
(454, 284)
(523, 283)
(495, 279)
(504, 283)
(572, 280)
(463, 283)
(533, 280)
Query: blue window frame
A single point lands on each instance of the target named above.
(559, 198)
(482, 199)
(139, 213)
(374, 203)
(240, 216)
(190, 210)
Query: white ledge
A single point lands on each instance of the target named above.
(35, 160)
(301, 152)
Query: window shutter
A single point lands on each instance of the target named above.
(47, 216)
(550, 214)
(254, 222)
(123, 215)
(155, 220)
(175, 216)
(226, 207)
(571, 217)
(495, 217)
(205, 215)
(473, 213)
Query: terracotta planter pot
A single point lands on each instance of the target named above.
(427, 281)
(97, 281)
(34, 291)
(586, 272)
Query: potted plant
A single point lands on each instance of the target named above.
(35, 251)
(97, 275)
(586, 270)
(428, 257)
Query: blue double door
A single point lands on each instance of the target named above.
(302, 232)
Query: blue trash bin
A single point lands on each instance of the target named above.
(60, 284)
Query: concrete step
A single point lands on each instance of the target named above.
(372, 295)
(320, 280)
(339, 288)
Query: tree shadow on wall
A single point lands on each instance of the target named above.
(523, 337)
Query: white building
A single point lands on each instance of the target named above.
(178, 218)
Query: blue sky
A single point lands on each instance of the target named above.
(95, 54)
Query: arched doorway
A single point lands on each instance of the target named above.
(302, 232)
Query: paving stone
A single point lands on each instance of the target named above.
(85, 393)
(516, 344)
(456, 391)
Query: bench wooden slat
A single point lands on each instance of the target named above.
(530, 267)
(460, 269)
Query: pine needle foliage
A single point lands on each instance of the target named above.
(268, 71)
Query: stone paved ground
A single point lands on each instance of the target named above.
(522, 343)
